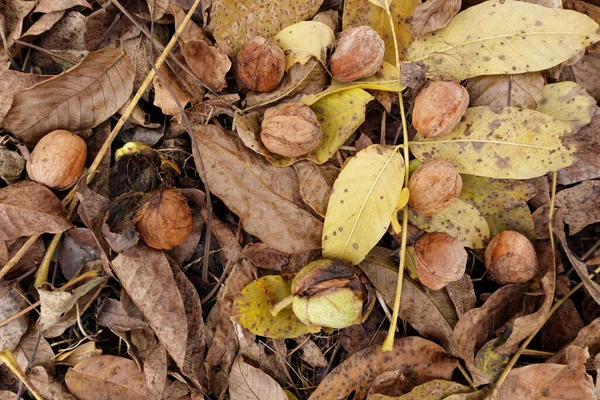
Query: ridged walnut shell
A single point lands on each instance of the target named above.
(439, 108)
(433, 186)
(261, 64)
(440, 259)
(290, 129)
(510, 258)
(358, 54)
(164, 220)
(58, 159)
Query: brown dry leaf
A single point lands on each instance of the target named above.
(67, 34)
(588, 337)
(11, 302)
(44, 24)
(48, 6)
(315, 185)
(78, 247)
(433, 15)
(360, 336)
(521, 90)
(585, 72)
(207, 62)
(106, 376)
(138, 49)
(163, 97)
(29, 261)
(80, 98)
(113, 315)
(107, 27)
(476, 327)
(7, 395)
(262, 256)
(432, 316)
(310, 352)
(80, 353)
(12, 14)
(269, 193)
(161, 7)
(191, 31)
(44, 355)
(49, 388)
(419, 358)
(550, 381)
(13, 81)
(581, 205)
(462, 294)
(201, 113)
(28, 208)
(153, 356)
(390, 383)
(432, 390)
(249, 383)
(588, 142)
(186, 250)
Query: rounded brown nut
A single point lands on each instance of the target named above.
(290, 129)
(261, 64)
(433, 186)
(440, 259)
(439, 108)
(58, 159)
(510, 258)
(358, 54)
(164, 220)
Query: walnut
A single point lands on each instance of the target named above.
(438, 108)
(433, 186)
(440, 259)
(261, 64)
(358, 54)
(510, 258)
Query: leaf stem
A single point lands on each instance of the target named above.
(388, 343)
(284, 303)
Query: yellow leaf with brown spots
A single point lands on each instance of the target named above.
(568, 102)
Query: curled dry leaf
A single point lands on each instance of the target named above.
(462, 294)
(102, 82)
(249, 383)
(105, 375)
(581, 205)
(520, 90)
(433, 15)
(28, 209)
(11, 302)
(421, 359)
(80, 353)
(208, 62)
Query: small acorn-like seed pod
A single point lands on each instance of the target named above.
(358, 54)
(58, 159)
(261, 64)
(331, 294)
(440, 259)
(290, 130)
(165, 219)
(433, 186)
(510, 258)
(438, 108)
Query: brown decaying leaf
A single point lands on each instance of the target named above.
(113, 315)
(584, 72)
(265, 198)
(419, 358)
(29, 261)
(80, 353)
(163, 98)
(12, 14)
(249, 383)
(11, 302)
(153, 356)
(28, 208)
(48, 6)
(49, 388)
(262, 256)
(13, 81)
(550, 381)
(78, 247)
(67, 34)
(562, 327)
(462, 294)
(315, 186)
(202, 112)
(588, 337)
(360, 336)
(44, 24)
(310, 352)
(7, 395)
(207, 62)
(581, 205)
(106, 376)
(44, 355)
(147, 277)
(433, 15)
(80, 98)
(588, 144)
(106, 27)
(521, 90)
(390, 383)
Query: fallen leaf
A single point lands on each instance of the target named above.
(433, 15)
(102, 83)
(49, 388)
(207, 62)
(588, 166)
(48, 6)
(11, 302)
(12, 14)
(154, 359)
(234, 22)
(419, 358)
(229, 164)
(157, 8)
(584, 71)
(105, 375)
(361, 204)
(491, 38)
(28, 209)
(163, 97)
(78, 247)
(104, 28)
(311, 353)
(503, 143)
(568, 102)
(12, 82)
(588, 337)
(581, 205)
(29, 261)
(43, 357)
(113, 315)
(432, 390)
(80, 353)
(462, 294)
(249, 383)
(315, 185)
(520, 90)
(264, 257)
(305, 40)
(202, 112)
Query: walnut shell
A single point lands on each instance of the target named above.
(58, 159)
(433, 186)
(510, 258)
(440, 259)
(164, 220)
(358, 54)
(438, 108)
(261, 64)
(290, 129)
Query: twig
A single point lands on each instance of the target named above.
(42, 50)
(18, 255)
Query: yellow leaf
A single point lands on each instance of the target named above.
(402, 201)
(568, 102)
(386, 79)
(304, 40)
(503, 203)
(339, 114)
(504, 143)
(360, 207)
(361, 12)
(234, 22)
(251, 309)
(459, 219)
(436, 389)
(503, 37)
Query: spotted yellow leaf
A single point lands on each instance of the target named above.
(568, 102)
(304, 40)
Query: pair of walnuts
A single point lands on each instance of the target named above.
(292, 129)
